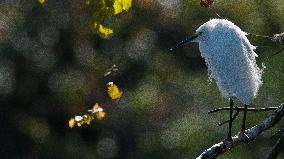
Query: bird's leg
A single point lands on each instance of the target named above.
(244, 118)
(234, 117)
(231, 119)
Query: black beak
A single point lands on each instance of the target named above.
(185, 41)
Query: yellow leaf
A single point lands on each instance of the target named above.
(100, 115)
(120, 5)
(95, 112)
(72, 123)
(41, 1)
(98, 110)
(103, 31)
(113, 91)
(126, 4)
(79, 124)
(88, 119)
(117, 6)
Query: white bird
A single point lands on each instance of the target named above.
(230, 59)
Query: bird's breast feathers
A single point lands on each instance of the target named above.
(233, 67)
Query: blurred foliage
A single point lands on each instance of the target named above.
(41, 2)
(54, 67)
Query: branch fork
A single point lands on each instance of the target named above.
(243, 138)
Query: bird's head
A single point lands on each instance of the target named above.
(203, 32)
(194, 38)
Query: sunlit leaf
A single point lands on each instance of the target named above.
(117, 6)
(126, 4)
(120, 5)
(113, 91)
(95, 112)
(41, 2)
(104, 32)
(98, 110)
(88, 119)
(100, 115)
(72, 123)
(79, 124)
(105, 10)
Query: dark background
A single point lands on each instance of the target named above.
(52, 66)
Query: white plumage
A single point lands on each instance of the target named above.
(230, 59)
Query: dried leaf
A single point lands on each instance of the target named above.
(72, 123)
(113, 91)
(88, 119)
(100, 115)
(95, 112)
(96, 108)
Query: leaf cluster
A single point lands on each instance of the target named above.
(104, 10)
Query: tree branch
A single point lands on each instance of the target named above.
(277, 147)
(242, 109)
(243, 138)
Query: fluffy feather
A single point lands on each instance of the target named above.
(230, 59)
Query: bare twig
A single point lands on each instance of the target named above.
(277, 133)
(278, 38)
(262, 36)
(277, 147)
(242, 109)
(250, 135)
(234, 117)
(277, 52)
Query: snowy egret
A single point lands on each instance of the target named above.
(230, 59)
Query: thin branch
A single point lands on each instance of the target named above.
(250, 135)
(277, 133)
(262, 36)
(242, 109)
(277, 38)
(234, 117)
(277, 52)
(276, 148)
